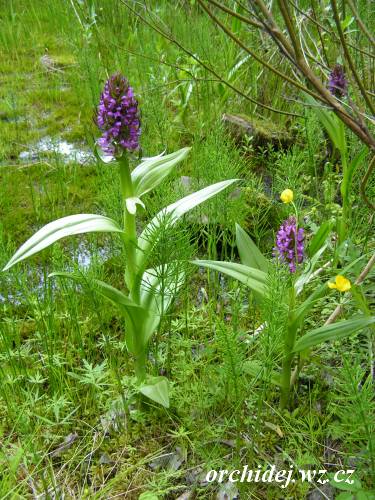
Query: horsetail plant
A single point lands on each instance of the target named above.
(147, 298)
(290, 251)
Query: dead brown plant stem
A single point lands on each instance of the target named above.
(233, 13)
(360, 23)
(169, 37)
(348, 56)
(253, 54)
(364, 182)
(325, 95)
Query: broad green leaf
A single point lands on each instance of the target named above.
(305, 307)
(152, 171)
(158, 289)
(347, 22)
(319, 238)
(253, 278)
(157, 389)
(344, 486)
(67, 226)
(334, 331)
(333, 125)
(131, 204)
(344, 270)
(136, 315)
(308, 272)
(172, 213)
(249, 253)
(350, 171)
(257, 370)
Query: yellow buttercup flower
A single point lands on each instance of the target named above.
(287, 196)
(341, 284)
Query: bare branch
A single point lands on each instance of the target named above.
(172, 39)
(349, 58)
(360, 23)
(365, 181)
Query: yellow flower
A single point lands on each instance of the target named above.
(341, 283)
(287, 196)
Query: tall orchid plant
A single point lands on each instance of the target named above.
(146, 299)
(290, 251)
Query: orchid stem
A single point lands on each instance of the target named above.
(131, 243)
(288, 351)
(130, 231)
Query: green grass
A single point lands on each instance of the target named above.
(68, 425)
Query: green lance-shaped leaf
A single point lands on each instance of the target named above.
(136, 314)
(60, 228)
(172, 213)
(158, 289)
(333, 125)
(302, 310)
(319, 238)
(334, 331)
(350, 171)
(157, 389)
(249, 253)
(253, 278)
(152, 171)
(258, 371)
(308, 272)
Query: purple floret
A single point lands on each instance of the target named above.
(289, 248)
(118, 117)
(337, 84)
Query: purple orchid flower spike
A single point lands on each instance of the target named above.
(290, 244)
(118, 117)
(338, 85)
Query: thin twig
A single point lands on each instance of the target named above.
(364, 183)
(360, 23)
(348, 56)
(320, 28)
(204, 65)
(325, 96)
(244, 19)
(253, 54)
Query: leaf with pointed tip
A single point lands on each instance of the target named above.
(158, 289)
(131, 204)
(152, 171)
(136, 314)
(333, 125)
(319, 238)
(258, 370)
(60, 228)
(334, 331)
(350, 171)
(253, 278)
(308, 272)
(249, 253)
(172, 213)
(157, 389)
(305, 307)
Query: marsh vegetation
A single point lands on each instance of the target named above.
(212, 307)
